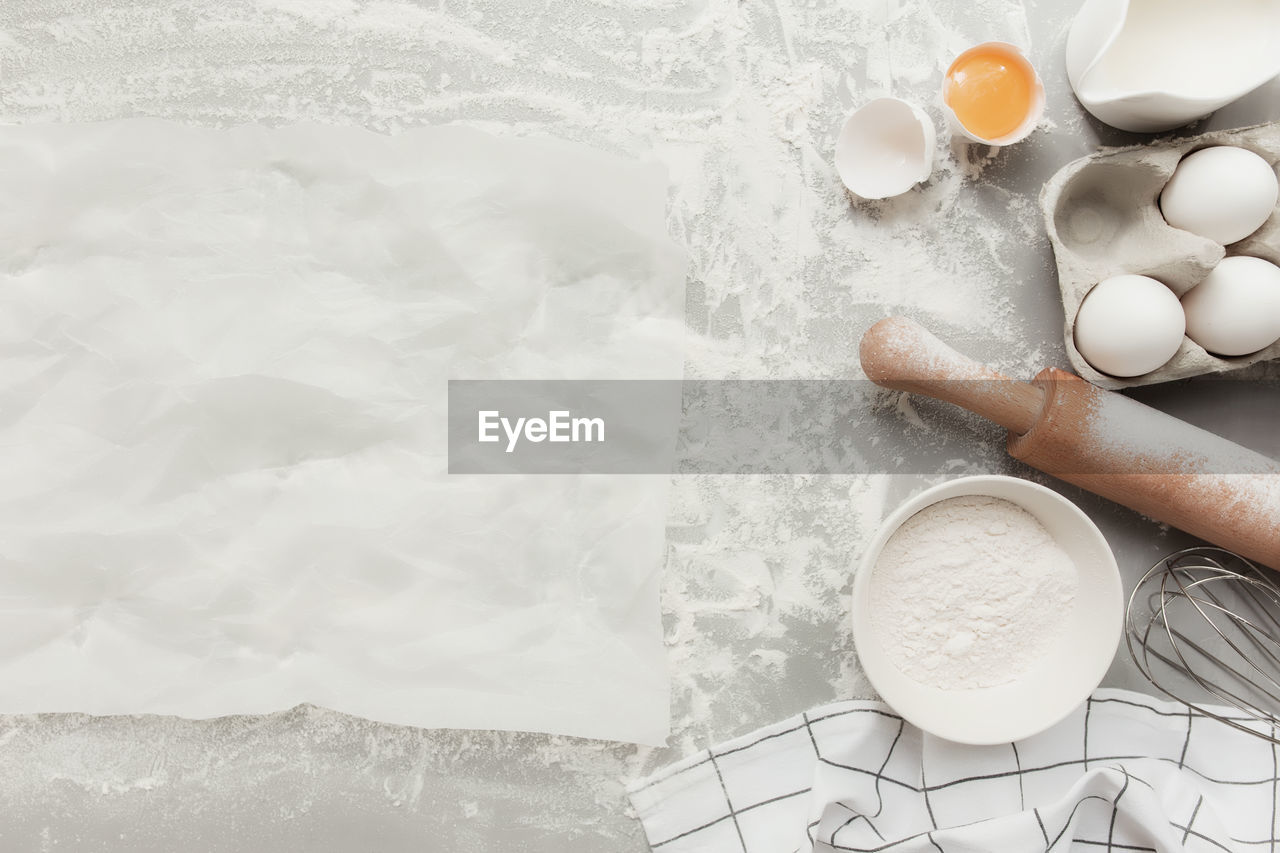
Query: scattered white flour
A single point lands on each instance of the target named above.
(970, 592)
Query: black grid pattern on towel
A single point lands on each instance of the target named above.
(874, 765)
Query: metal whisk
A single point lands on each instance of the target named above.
(1203, 626)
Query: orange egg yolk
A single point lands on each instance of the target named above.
(990, 91)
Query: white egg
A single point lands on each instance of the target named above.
(1222, 193)
(1236, 309)
(1129, 325)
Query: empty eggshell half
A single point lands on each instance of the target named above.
(1129, 325)
(885, 148)
(1236, 309)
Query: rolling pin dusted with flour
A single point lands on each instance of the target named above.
(1107, 443)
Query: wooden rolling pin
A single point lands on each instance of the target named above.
(1107, 443)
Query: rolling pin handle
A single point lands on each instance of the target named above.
(901, 354)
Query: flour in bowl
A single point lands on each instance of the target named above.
(970, 592)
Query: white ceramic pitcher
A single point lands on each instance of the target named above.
(1148, 65)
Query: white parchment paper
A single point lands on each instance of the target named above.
(223, 365)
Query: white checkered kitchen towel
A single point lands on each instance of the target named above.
(1125, 772)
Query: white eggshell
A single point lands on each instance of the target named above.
(1223, 193)
(885, 148)
(1236, 309)
(1129, 325)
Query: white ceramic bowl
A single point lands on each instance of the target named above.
(885, 148)
(1059, 681)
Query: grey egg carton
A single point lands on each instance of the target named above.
(1103, 216)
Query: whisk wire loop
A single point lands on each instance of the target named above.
(1203, 627)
